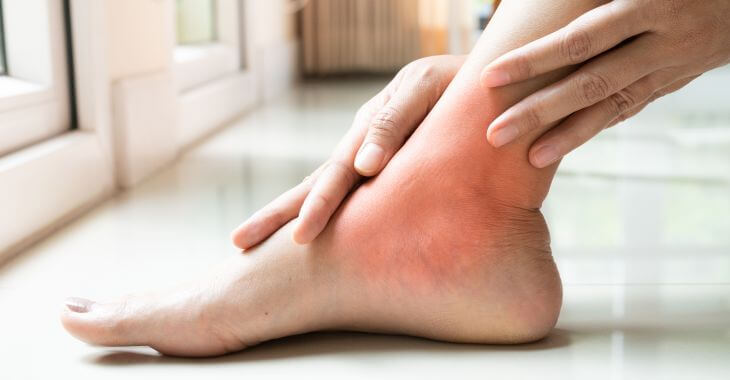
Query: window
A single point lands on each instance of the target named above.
(208, 41)
(47, 171)
(34, 90)
(213, 82)
(196, 21)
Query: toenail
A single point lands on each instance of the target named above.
(78, 305)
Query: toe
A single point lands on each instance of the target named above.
(170, 324)
(101, 323)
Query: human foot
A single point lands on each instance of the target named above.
(424, 249)
(468, 292)
(446, 243)
(271, 291)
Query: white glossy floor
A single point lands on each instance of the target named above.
(640, 220)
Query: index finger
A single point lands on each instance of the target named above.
(337, 177)
(331, 188)
(589, 35)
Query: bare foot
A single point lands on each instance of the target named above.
(446, 243)
(493, 288)
(277, 289)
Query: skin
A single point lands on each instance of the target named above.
(385, 121)
(670, 43)
(447, 242)
(631, 52)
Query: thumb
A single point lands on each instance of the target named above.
(390, 127)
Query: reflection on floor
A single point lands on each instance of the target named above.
(640, 220)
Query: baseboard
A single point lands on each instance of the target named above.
(47, 185)
(206, 108)
(144, 125)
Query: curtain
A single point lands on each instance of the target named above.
(345, 36)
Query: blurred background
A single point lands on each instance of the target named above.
(137, 133)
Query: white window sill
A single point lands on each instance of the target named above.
(196, 65)
(29, 112)
(45, 183)
(15, 93)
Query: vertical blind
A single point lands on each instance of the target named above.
(346, 36)
(341, 36)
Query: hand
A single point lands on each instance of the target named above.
(631, 52)
(380, 128)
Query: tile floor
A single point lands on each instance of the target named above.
(640, 219)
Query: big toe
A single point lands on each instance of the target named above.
(141, 321)
(110, 323)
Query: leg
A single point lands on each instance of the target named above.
(446, 243)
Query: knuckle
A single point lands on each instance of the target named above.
(419, 69)
(523, 66)
(621, 102)
(532, 118)
(628, 115)
(575, 46)
(592, 88)
(344, 174)
(431, 80)
(424, 73)
(385, 124)
(425, 69)
(324, 198)
(278, 215)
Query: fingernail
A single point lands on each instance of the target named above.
(545, 156)
(78, 305)
(304, 234)
(495, 78)
(369, 158)
(504, 135)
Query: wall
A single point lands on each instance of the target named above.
(152, 120)
(271, 46)
(139, 39)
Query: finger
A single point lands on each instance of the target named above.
(394, 122)
(676, 86)
(589, 85)
(585, 124)
(328, 192)
(338, 176)
(589, 35)
(274, 215)
(287, 206)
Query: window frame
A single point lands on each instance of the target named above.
(50, 182)
(195, 65)
(214, 82)
(34, 92)
(3, 63)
